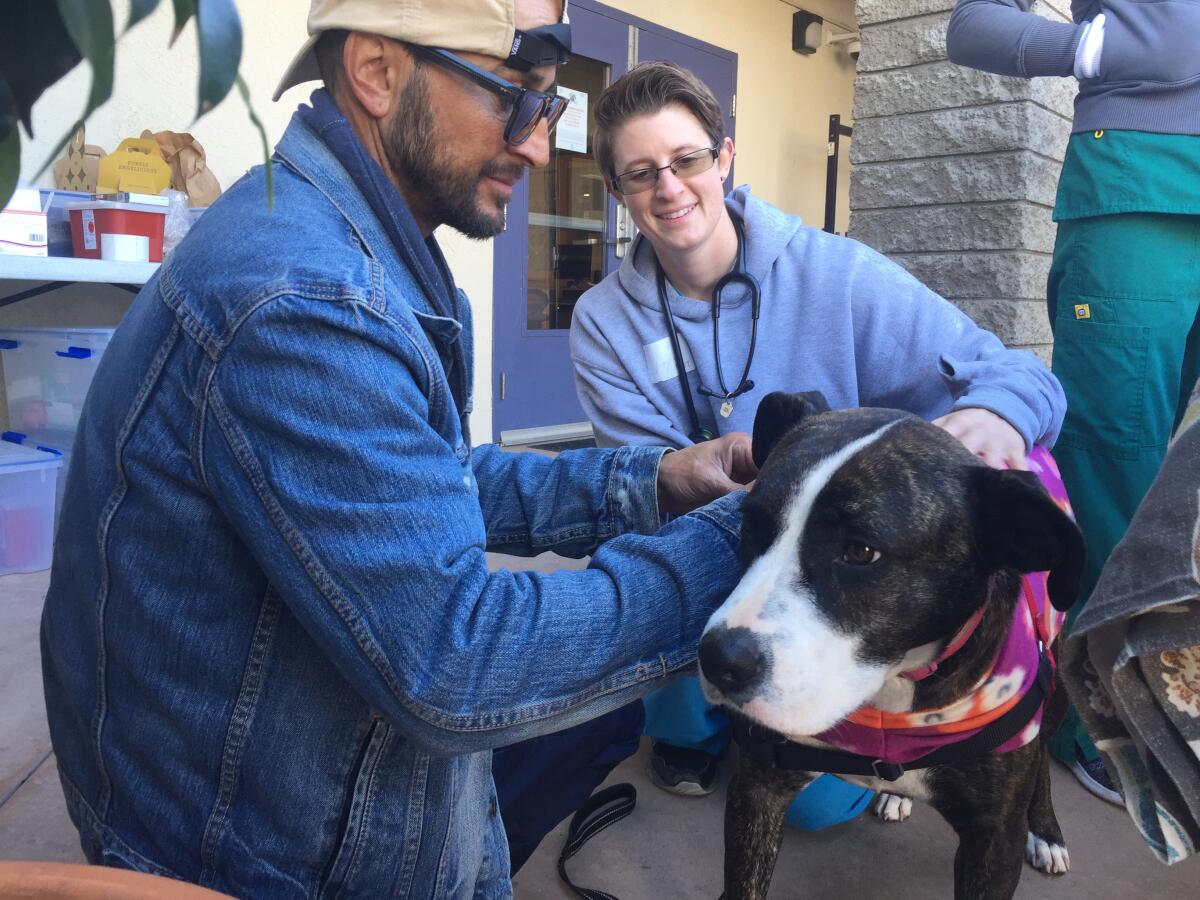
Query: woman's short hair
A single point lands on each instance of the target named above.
(644, 90)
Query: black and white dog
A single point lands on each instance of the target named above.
(878, 546)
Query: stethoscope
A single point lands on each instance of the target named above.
(737, 276)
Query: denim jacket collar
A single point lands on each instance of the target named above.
(391, 225)
(305, 153)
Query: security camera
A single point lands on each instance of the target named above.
(847, 39)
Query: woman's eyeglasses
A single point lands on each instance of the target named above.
(686, 166)
(526, 107)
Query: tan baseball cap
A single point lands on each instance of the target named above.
(474, 26)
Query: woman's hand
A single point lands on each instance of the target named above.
(986, 435)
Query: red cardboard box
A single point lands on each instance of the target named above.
(90, 221)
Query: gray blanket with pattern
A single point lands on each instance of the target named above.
(1132, 663)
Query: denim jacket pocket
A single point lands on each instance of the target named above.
(352, 836)
(442, 333)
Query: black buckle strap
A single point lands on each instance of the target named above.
(779, 753)
(602, 809)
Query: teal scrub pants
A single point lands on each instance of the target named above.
(679, 715)
(1123, 296)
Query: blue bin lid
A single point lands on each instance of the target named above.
(16, 458)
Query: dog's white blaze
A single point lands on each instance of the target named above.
(816, 675)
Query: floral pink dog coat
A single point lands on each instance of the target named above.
(903, 737)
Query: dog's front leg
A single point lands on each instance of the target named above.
(755, 803)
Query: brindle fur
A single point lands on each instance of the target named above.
(993, 801)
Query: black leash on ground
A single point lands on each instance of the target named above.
(602, 809)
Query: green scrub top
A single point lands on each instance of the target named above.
(1109, 172)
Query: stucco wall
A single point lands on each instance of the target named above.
(784, 101)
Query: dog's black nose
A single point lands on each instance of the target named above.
(733, 659)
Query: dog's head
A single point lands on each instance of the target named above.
(870, 537)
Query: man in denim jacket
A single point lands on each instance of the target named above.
(275, 660)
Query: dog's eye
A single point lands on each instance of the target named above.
(857, 553)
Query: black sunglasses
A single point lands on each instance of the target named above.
(526, 107)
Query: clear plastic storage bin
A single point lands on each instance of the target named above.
(47, 372)
(57, 444)
(28, 479)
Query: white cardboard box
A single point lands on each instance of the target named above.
(23, 227)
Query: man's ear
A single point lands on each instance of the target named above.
(777, 413)
(1017, 525)
(373, 68)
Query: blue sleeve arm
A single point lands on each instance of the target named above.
(368, 525)
(949, 362)
(1002, 36)
(570, 503)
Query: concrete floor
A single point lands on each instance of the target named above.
(670, 847)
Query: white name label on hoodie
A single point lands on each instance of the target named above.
(660, 360)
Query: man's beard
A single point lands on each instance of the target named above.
(447, 195)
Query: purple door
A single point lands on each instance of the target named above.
(561, 236)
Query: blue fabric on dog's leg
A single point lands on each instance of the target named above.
(679, 715)
(827, 801)
(541, 781)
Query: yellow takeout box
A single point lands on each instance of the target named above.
(136, 166)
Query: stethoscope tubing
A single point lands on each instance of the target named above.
(739, 276)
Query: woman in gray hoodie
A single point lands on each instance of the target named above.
(832, 316)
(1124, 286)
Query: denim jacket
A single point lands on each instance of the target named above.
(275, 660)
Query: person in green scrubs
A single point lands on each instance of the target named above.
(1124, 286)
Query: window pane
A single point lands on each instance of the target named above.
(567, 215)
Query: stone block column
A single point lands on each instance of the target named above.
(955, 170)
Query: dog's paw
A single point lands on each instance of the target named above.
(1053, 859)
(892, 807)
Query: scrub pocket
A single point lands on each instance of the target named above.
(1103, 368)
(1123, 297)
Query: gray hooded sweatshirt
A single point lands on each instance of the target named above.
(836, 317)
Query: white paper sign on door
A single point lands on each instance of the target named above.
(571, 133)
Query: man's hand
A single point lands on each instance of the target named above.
(988, 436)
(693, 476)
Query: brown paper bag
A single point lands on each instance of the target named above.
(79, 167)
(189, 172)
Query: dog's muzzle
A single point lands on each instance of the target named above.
(734, 661)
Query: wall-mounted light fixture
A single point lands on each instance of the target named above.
(806, 32)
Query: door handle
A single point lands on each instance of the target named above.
(625, 232)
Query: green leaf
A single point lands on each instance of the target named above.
(184, 10)
(262, 136)
(35, 52)
(138, 10)
(90, 24)
(220, 33)
(10, 159)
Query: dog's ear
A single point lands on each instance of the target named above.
(1016, 524)
(779, 411)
